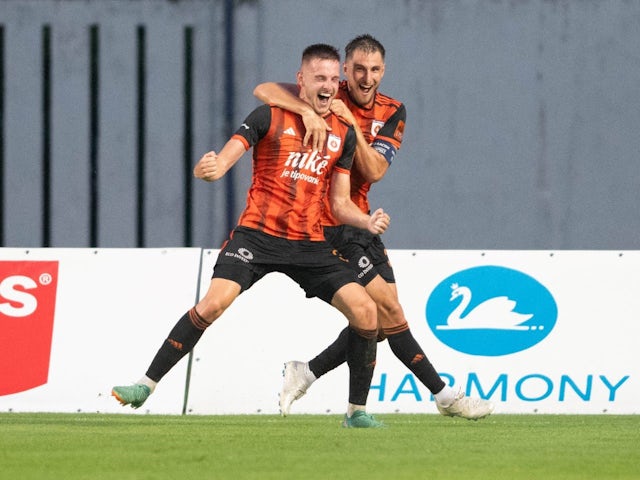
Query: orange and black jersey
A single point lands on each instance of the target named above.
(289, 181)
(383, 127)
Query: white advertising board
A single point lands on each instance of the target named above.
(548, 332)
(113, 309)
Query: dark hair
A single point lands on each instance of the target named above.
(366, 43)
(322, 51)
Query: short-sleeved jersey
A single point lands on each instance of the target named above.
(289, 181)
(383, 127)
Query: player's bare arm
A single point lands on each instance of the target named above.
(369, 162)
(348, 213)
(285, 95)
(212, 166)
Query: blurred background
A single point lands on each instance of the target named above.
(522, 130)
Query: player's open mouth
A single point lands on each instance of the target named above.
(324, 97)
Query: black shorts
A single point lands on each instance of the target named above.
(249, 255)
(366, 253)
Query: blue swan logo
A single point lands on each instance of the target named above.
(491, 311)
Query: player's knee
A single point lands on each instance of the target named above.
(366, 314)
(210, 309)
(390, 314)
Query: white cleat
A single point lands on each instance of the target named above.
(467, 407)
(294, 385)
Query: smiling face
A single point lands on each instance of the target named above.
(318, 81)
(364, 71)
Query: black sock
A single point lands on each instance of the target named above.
(331, 357)
(405, 347)
(361, 358)
(182, 338)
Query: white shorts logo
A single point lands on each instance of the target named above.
(364, 262)
(245, 253)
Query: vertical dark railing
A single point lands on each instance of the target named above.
(141, 137)
(94, 110)
(188, 178)
(2, 193)
(229, 95)
(188, 136)
(46, 136)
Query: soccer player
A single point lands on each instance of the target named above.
(379, 122)
(280, 230)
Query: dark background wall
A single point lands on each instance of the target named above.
(522, 132)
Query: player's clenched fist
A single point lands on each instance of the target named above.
(378, 222)
(207, 167)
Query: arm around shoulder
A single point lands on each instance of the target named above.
(285, 95)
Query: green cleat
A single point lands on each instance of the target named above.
(361, 419)
(134, 395)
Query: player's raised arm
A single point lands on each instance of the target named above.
(212, 166)
(285, 95)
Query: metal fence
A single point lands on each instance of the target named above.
(97, 119)
(521, 131)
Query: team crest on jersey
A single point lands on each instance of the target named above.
(376, 125)
(333, 142)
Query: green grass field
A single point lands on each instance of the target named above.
(509, 447)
